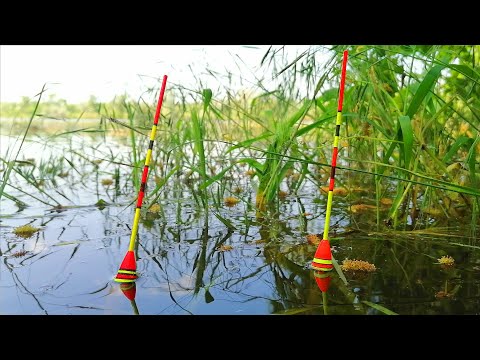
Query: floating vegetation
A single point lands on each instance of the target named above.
(282, 194)
(357, 265)
(295, 176)
(260, 241)
(20, 253)
(386, 201)
(341, 191)
(443, 294)
(155, 209)
(101, 204)
(27, 162)
(107, 182)
(237, 190)
(231, 201)
(421, 166)
(158, 180)
(432, 211)
(358, 208)
(313, 239)
(358, 189)
(446, 261)
(25, 231)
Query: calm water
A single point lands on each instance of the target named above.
(192, 263)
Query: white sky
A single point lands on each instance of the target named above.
(74, 72)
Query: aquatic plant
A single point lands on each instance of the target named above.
(357, 265)
(446, 260)
(25, 231)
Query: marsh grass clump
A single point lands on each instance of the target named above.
(25, 231)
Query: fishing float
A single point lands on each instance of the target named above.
(128, 268)
(322, 260)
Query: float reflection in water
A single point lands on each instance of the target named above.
(130, 290)
(323, 282)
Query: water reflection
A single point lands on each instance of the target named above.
(189, 263)
(130, 291)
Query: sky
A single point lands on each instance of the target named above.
(75, 72)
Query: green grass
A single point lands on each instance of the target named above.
(411, 133)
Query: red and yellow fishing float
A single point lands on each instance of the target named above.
(128, 268)
(322, 261)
